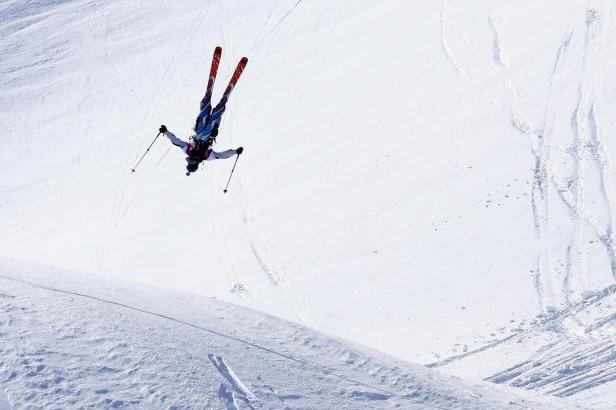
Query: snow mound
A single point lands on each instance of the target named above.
(69, 343)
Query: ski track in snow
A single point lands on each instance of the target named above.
(240, 392)
(564, 369)
(594, 36)
(97, 35)
(561, 365)
(260, 40)
(587, 144)
(579, 150)
(555, 319)
(128, 192)
(445, 46)
(261, 250)
(275, 274)
(542, 151)
(539, 199)
(498, 55)
(219, 227)
(451, 57)
(554, 287)
(601, 161)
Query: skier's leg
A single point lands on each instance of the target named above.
(202, 119)
(206, 100)
(209, 125)
(205, 107)
(217, 112)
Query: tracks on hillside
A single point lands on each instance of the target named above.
(557, 363)
(561, 273)
(258, 244)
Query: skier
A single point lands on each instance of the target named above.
(208, 120)
(197, 151)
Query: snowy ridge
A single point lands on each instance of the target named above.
(71, 346)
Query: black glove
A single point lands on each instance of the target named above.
(214, 133)
(239, 150)
(162, 129)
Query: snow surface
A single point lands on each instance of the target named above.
(430, 179)
(4, 402)
(70, 344)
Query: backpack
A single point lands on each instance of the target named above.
(199, 151)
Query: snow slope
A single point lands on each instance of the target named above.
(569, 352)
(70, 344)
(4, 402)
(424, 178)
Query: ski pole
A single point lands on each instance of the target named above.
(230, 175)
(146, 151)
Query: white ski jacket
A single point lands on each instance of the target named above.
(187, 146)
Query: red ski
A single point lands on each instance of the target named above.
(209, 119)
(234, 79)
(210, 82)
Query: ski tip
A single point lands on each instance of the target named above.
(218, 49)
(244, 60)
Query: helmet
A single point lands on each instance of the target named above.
(192, 167)
(192, 164)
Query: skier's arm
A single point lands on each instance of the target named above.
(222, 155)
(175, 140)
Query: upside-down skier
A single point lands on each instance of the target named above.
(208, 121)
(196, 152)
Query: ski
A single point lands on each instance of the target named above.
(207, 121)
(210, 82)
(234, 79)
